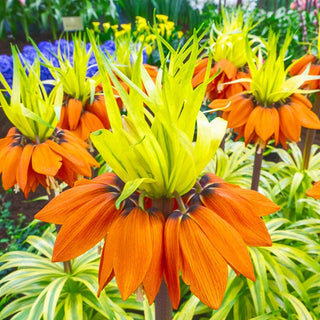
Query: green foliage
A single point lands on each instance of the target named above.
(292, 182)
(41, 289)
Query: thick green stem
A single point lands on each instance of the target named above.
(257, 168)
(310, 134)
(162, 301)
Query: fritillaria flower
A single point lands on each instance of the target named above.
(228, 47)
(35, 151)
(273, 107)
(83, 110)
(155, 159)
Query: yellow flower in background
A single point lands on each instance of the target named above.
(126, 27)
(170, 25)
(162, 17)
(180, 34)
(106, 26)
(96, 25)
(115, 28)
(162, 29)
(119, 33)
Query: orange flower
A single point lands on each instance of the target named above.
(82, 118)
(300, 66)
(217, 88)
(213, 232)
(26, 164)
(280, 121)
(133, 253)
(314, 192)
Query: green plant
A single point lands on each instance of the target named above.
(292, 181)
(41, 289)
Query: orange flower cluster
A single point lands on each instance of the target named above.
(26, 164)
(280, 121)
(142, 245)
(84, 118)
(219, 87)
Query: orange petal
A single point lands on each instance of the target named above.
(202, 266)
(133, 249)
(307, 118)
(301, 64)
(264, 127)
(24, 164)
(45, 160)
(253, 119)
(240, 113)
(238, 213)
(74, 108)
(10, 165)
(98, 107)
(314, 192)
(67, 202)
(219, 104)
(91, 121)
(224, 238)
(154, 275)
(289, 123)
(83, 229)
(228, 68)
(172, 256)
(299, 98)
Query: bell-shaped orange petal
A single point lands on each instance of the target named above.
(45, 161)
(74, 109)
(133, 241)
(228, 68)
(308, 119)
(240, 113)
(24, 164)
(154, 275)
(224, 238)
(300, 65)
(83, 229)
(69, 201)
(314, 192)
(289, 123)
(172, 256)
(264, 127)
(301, 99)
(98, 107)
(202, 266)
(10, 165)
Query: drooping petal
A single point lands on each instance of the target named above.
(154, 275)
(172, 256)
(83, 229)
(254, 117)
(308, 119)
(10, 165)
(264, 127)
(224, 238)
(68, 202)
(202, 266)
(314, 192)
(133, 253)
(240, 113)
(74, 112)
(24, 164)
(45, 161)
(238, 214)
(98, 107)
(289, 123)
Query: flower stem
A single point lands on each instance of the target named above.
(162, 301)
(257, 168)
(310, 134)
